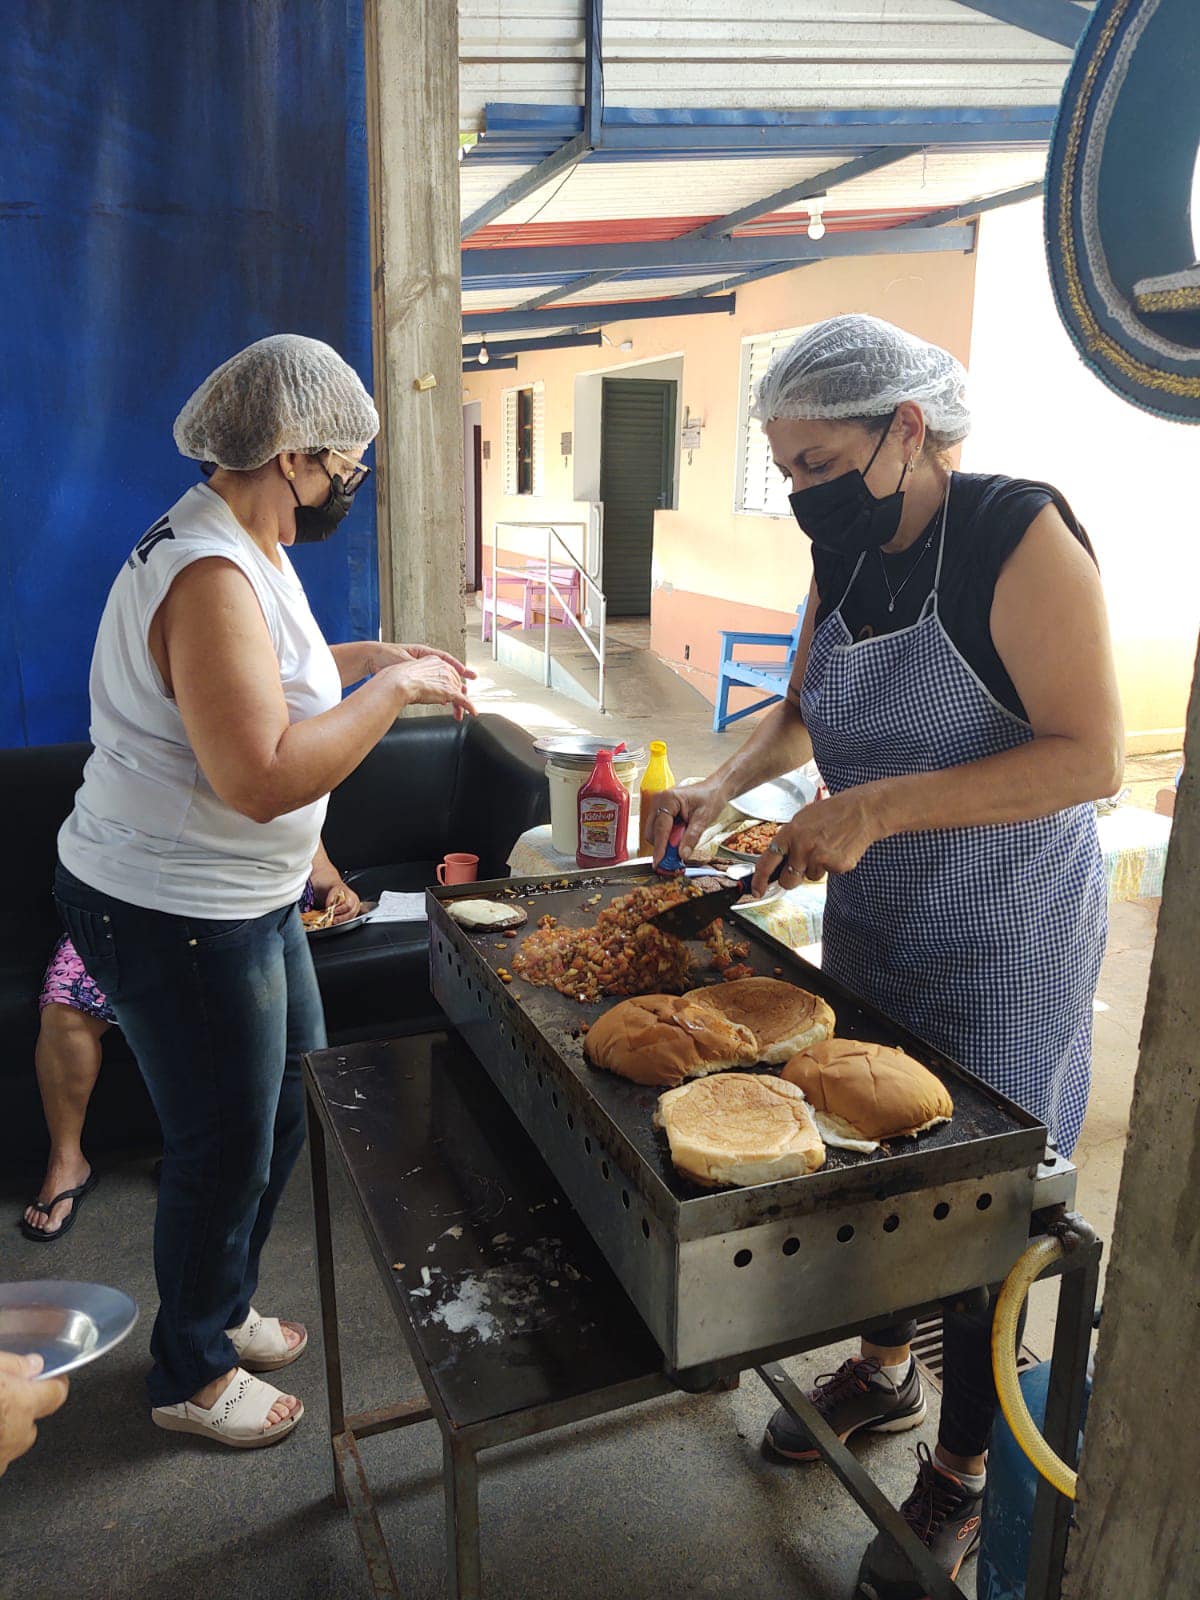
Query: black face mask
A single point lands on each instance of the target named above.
(843, 516)
(314, 523)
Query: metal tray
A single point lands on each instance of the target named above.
(929, 1217)
(368, 906)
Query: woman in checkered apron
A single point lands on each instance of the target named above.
(954, 683)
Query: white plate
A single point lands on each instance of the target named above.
(67, 1324)
(779, 800)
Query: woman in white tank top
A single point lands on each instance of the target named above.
(219, 730)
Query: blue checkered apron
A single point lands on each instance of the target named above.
(984, 941)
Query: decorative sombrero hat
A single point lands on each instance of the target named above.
(1118, 225)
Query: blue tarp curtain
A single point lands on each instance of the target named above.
(175, 181)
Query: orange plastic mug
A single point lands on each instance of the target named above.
(458, 867)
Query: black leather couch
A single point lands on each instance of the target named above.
(430, 786)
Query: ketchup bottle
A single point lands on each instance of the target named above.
(603, 816)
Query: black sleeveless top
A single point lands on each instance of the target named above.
(987, 518)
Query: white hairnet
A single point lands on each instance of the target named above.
(282, 393)
(859, 366)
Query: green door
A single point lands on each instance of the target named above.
(637, 478)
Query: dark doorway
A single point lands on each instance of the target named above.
(637, 478)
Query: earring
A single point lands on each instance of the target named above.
(291, 474)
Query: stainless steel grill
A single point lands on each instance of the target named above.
(739, 1271)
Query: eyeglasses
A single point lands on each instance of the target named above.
(358, 474)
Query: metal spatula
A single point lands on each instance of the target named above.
(687, 918)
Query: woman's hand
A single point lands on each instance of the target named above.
(343, 899)
(430, 680)
(697, 804)
(381, 655)
(827, 836)
(23, 1402)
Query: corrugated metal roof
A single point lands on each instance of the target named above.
(688, 193)
(855, 73)
(760, 53)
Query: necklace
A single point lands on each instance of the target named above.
(894, 594)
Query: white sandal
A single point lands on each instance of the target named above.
(235, 1418)
(260, 1344)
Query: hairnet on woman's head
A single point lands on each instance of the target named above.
(859, 366)
(282, 393)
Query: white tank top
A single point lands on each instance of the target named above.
(147, 827)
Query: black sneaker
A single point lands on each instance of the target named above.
(943, 1515)
(854, 1399)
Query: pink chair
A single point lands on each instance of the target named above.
(519, 613)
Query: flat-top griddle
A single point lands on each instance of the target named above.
(721, 1272)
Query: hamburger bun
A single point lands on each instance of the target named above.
(740, 1128)
(861, 1093)
(785, 1018)
(662, 1039)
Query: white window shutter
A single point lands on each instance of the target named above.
(763, 488)
(509, 441)
(539, 429)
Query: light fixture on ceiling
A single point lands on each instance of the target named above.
(816, 223)
(483, 358)
(626, 344)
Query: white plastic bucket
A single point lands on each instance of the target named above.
(566, 778)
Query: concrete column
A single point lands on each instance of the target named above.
(1137, 1533)
(412, 140)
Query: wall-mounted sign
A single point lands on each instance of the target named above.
(690, 436)
(485, 449)
(566, 444)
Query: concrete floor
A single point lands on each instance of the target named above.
(672, 1499)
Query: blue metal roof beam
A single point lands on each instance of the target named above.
(480, 265)
(935, 219)
(514, 125)
(568, 155)
(1057, 20)
(816, 185)
(686, 132)
(555, 341)
(596, 316)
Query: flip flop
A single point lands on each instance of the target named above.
(77, 1196)
(260, 1344)
(236, 1418)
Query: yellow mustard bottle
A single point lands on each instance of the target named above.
(656, 778)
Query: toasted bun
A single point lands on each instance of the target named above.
(784, 1018)
(868, 1092)
(664, 1038)
(740, 1128)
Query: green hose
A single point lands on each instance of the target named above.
(1031, 1265)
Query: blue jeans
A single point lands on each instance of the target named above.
(218, 1015)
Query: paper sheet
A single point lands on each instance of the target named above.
(396, 907)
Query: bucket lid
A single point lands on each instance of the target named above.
(581, 749)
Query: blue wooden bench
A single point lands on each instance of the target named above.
(771, 676)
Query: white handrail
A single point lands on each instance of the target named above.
(552, 593)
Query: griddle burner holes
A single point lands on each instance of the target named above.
(790, 1246)
(645, 1228)
(983, 1202)
(890, 1224)
(941, 1211)
(743, 1258)
(625, 1198)
(845, 1233)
